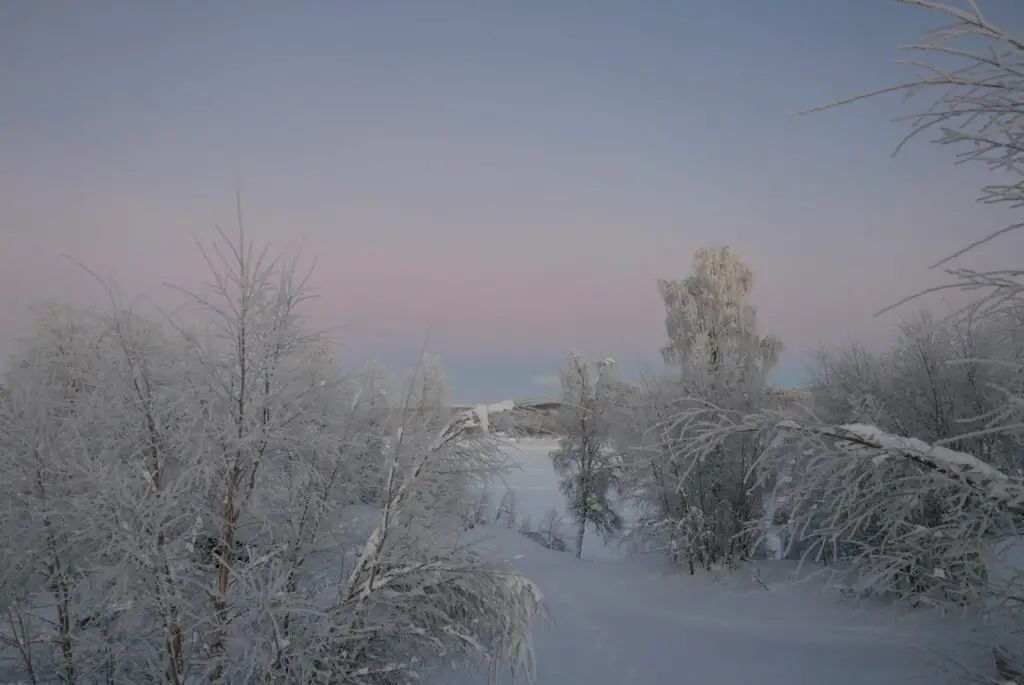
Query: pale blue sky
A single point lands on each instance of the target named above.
(512, 175)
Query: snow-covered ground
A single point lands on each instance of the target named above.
(619, 621)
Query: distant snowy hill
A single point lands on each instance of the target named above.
(508, 416)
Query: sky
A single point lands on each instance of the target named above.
(499, 181)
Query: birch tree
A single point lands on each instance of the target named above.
(711, 322)
(585, 459)
(696, 509)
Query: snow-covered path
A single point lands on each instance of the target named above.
(613, 623)
(622, 621)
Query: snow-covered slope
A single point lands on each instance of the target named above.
(619, 621)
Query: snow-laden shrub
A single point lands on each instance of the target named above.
(550, 532)
(937, 383)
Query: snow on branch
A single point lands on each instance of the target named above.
(908, 519)
(958, 466)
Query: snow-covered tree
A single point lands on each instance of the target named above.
(697, 509)
(711, 323)
(216, 498)
(937, 381)
(585, 459)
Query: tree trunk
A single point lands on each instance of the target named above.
(579, 539)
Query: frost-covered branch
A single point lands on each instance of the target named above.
(915, 519)
(977, 105)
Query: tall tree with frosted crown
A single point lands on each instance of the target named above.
(696, 509)
(710, 321)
